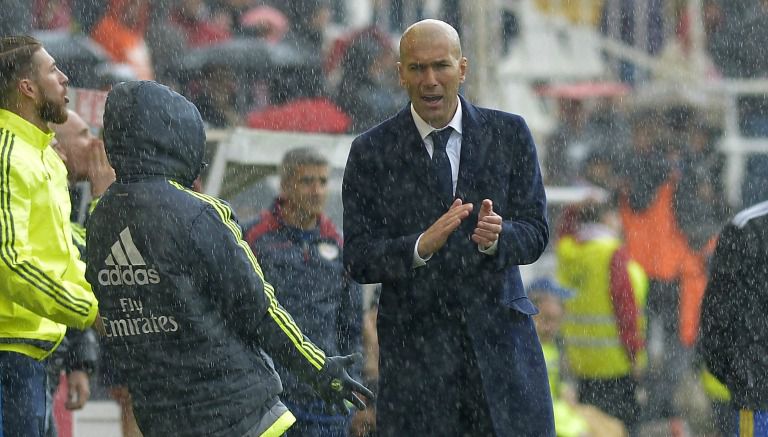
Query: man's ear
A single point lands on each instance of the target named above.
(27, 88)
(400, 74)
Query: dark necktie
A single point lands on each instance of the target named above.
(441, 165)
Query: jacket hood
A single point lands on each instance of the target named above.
(150, 130)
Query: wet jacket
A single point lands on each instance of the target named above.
(189, 317)
(734, 326)
(306, 269)
(42, 287)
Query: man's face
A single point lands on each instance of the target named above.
(306, 190)
(549, 318)
(74, 143)
(50, 86)
(431, 71)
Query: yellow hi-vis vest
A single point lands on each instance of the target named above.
(590, 332)
(552, 359)
(568, 421)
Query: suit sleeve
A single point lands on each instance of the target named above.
(249, 304)
(525, 232)
(24, 279)
(721, 306)
(370, 255)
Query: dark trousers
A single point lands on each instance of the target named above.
(449, 390)
(668, 359)
(614, 396)
(22, 396)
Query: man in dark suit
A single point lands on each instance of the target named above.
(442, 202)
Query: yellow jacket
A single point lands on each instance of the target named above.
(42, 280)
(590, 331)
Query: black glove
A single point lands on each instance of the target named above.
(334, 385)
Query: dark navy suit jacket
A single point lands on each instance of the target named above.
(390, 198)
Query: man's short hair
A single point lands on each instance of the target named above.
(298, 157)
(15, 62)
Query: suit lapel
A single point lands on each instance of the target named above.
(474, 145)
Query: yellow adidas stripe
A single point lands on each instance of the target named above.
(312, 353)
(746, 423)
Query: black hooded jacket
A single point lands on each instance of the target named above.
(734, 326)
(187, 312)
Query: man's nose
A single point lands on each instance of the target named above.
(430, 78)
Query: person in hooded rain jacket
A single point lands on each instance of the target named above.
(189, 319)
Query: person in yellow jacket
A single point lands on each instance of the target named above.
(572, 419)
(603, 327)
(42, 284)
(548, 296)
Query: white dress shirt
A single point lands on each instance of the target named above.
(453, 148)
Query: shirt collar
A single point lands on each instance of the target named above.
(425, 129)
(26, 131)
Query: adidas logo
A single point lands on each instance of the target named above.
(126, 265)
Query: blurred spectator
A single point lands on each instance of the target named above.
(676, 273)
(548, 298)
(368, 91)
(121, 33)
(566, 147)
(300, 104)
(572, 419)
(600, 170)
(216, 96)
(607, 127)
(193, 18)
(52, 15)
(87, 13)
(84, 156)
(700, 206)
(229, 13)
(264, 22)
(307, 21)
(603, 328)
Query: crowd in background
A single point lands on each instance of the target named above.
(268, 61)
(659, 165)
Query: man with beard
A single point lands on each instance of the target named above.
(42, 285)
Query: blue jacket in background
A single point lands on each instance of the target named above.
(306, 269)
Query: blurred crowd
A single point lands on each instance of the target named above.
(262, 64)
(274, 64)
(636, 253)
